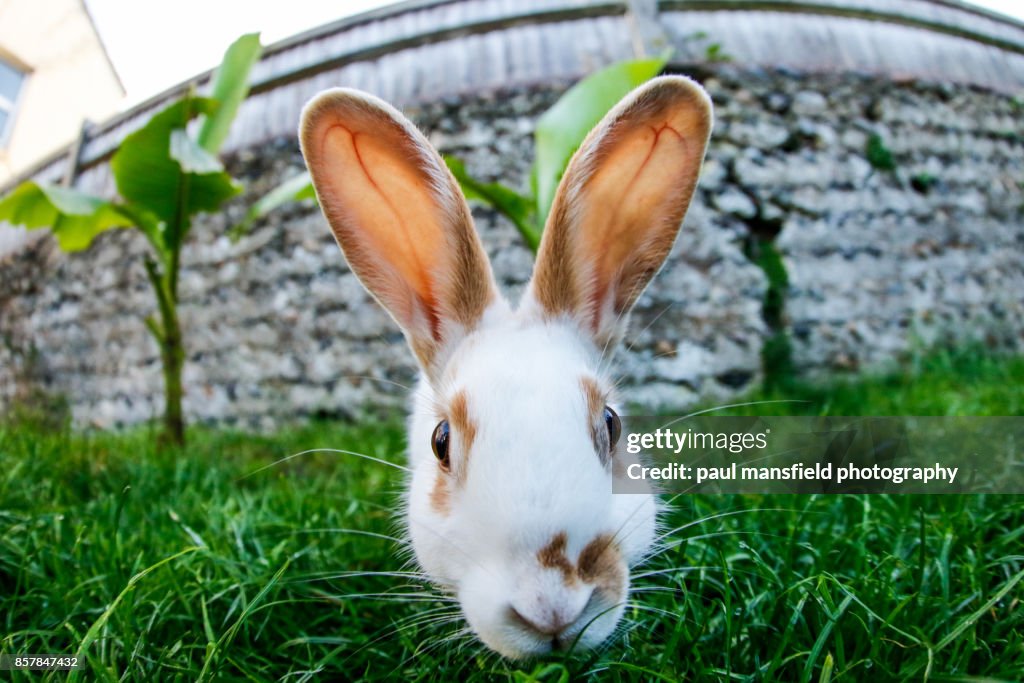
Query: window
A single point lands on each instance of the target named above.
(11, 80)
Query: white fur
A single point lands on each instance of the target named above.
(533, 472)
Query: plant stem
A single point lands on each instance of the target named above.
(172, 348)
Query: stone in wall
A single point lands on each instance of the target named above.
(278, 328)
(883, 263)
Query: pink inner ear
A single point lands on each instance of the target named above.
(384, 205)
(633, 205)
(399, 216)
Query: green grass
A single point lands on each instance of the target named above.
(965, 382)
(198, 565)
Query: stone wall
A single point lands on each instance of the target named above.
(879, 262)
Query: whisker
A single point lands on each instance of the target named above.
(385, 596)
(653, 610)
(342, 530)
(431, 617)
(613, 339)
(653, 589)
(590, 622)
(358, 574)
(459, 634)
(648, 326)
(439, 623)
(450, 542)
(379, 379)
(420, 588)
(615, 537)
(665, 354)
(669, 570)
(720, 534)
(384, 634)
(326, 450)
(720, 515)
(732, 405)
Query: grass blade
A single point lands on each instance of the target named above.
(973, 617)
(97, 626)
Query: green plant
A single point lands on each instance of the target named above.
(777, 352)
(879, 155)
(560, 130)
(923, 182)
(164, 177)
(294, 189)
(714, 53)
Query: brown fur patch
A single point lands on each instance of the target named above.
(440, 495)
(554, 276)
(596, 400)
(552, 556)
(601, 564)
(465, 427)
(471, 289)
(425, 350)
(595, 397)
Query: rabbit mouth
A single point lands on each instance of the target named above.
(545, 613)
(525, 638)
(562, 636)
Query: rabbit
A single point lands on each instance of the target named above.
(513, 443)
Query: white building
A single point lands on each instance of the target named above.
(54, 75)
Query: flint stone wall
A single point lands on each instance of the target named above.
(879, 263)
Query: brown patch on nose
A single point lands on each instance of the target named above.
(465, 427)
(440, 495)
(601, 564)
(552, 556)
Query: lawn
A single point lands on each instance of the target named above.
(220, 562)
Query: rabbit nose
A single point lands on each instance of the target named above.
(549, 620)
(552, 625)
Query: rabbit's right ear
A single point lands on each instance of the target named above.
(619, 206)
(399, 217)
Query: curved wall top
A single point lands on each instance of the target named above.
(430, 49)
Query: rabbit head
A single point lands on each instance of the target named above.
(513, 440)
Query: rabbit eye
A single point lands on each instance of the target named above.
(611, 420)
(440, 444)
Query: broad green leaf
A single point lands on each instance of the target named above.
(75, 218)
(561, 129)
(294, 189)
(153, 181)
(230, 86)
(514, 206)
(190, 156)
(150, 225)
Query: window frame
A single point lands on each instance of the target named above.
(11, 108)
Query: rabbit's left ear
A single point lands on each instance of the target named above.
(620, 205)
(400, 219)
